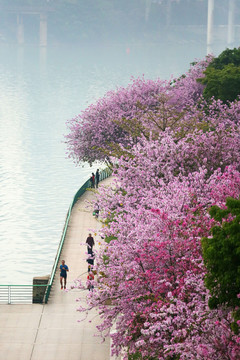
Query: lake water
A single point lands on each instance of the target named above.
(39, 90)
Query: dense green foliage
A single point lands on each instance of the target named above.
(228, 56)
(222, 76)
(221, 254)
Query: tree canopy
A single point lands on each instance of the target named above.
(144, 105)
(221, 253)
(222, 76)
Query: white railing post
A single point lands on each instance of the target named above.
(9, 294)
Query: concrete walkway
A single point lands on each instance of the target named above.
(52, 331)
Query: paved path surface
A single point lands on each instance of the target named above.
(51, 331)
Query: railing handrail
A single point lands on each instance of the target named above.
(30, 285)
(103, 175)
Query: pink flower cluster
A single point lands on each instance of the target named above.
(91, 132)
(156, 213)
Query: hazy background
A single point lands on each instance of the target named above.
(92, 46)
(111, 21)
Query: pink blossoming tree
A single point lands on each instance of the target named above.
(181, 157)
(145, 104)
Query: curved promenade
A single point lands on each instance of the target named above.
(52, 331)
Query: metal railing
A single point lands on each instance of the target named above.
(103, 175)
(17, 294)
(23, 294)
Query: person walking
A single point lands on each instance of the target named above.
(93, 181)
(90, 259)
(63, 274)
(90, 243)
(96, 210)
(97, 178)
(90, 279)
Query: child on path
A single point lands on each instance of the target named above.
(90, 279)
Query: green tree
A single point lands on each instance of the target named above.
(221, 254)
(222, 76)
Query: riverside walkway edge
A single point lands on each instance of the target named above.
(52, 331)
